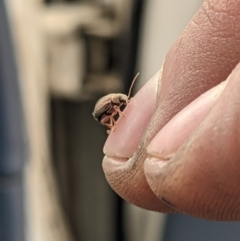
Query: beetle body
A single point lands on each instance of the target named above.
(109, 106)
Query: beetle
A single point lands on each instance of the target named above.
(109, 106)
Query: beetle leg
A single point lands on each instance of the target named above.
(105, 120)
(109, 125)
(112, 125)
(119, 111)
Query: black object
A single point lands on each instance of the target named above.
(11, 140)
(128, 42)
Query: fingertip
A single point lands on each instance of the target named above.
(124, 140)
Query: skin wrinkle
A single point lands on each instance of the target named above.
(219, 21)
(222, 16)
(125, 173)
(208, 15)
(219, 6)
(217, 18)
(195, 198)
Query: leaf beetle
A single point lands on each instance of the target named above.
(109, 106)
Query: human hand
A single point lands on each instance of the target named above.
(178, 148)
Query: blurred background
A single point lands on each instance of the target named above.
(57, 57)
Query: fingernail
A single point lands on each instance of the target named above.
(124, 140)
(175, 132)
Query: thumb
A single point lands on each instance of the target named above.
(202, 177)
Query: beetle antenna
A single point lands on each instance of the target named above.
(130, 89)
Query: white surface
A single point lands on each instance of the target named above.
(162, 24)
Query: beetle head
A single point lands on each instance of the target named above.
(118, 98)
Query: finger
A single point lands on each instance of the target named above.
(202, 57)
(175, 132)
(202, 177)
(117, 164)
(134, 122)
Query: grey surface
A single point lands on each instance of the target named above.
(11, 209)
(184, 228)
(11, 141)
(11, 126)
